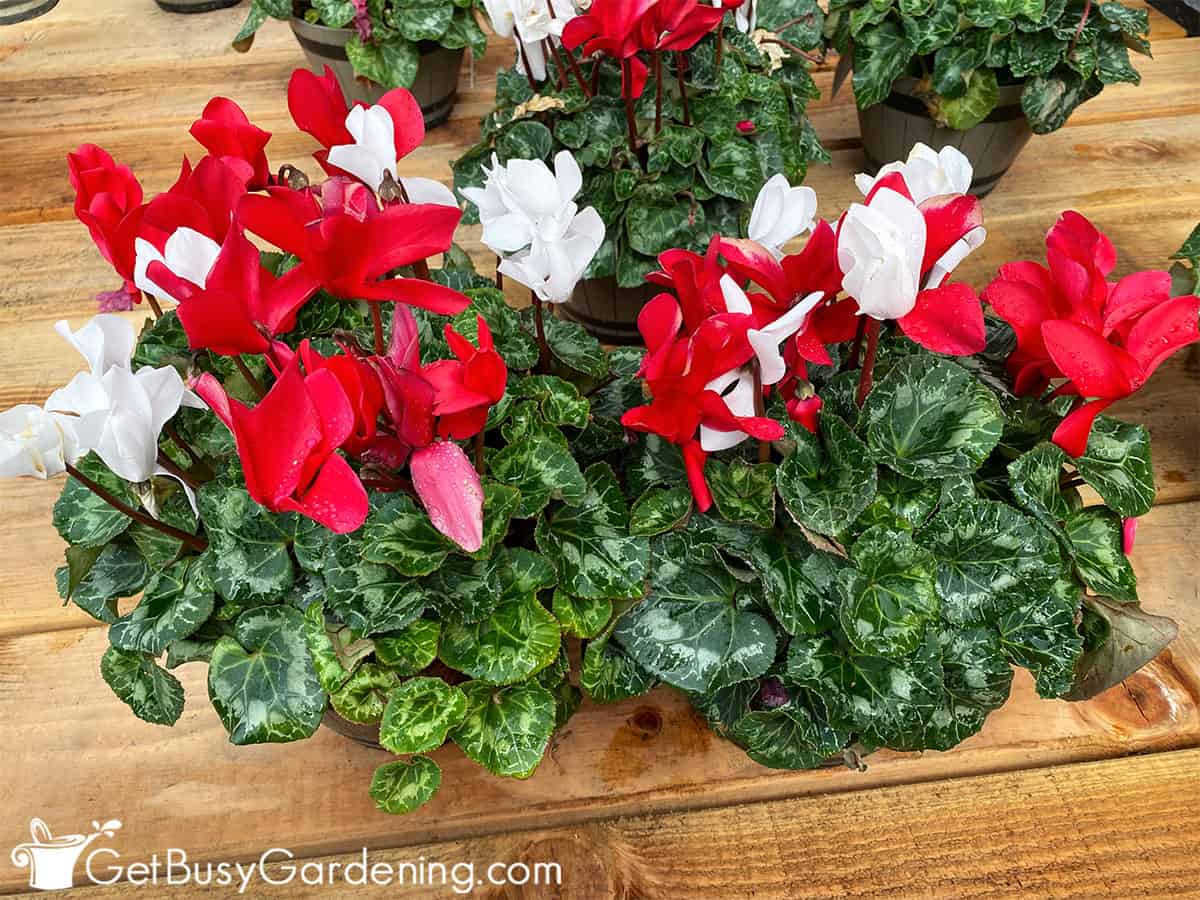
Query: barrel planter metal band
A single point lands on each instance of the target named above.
(12, 11)
(608, 312)
(889, 129)
(436, 86)
(195, 6)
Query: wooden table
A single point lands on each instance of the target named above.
(637, 799)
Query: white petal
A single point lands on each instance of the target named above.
(146, 253)
(164, 389)
(106, 340)
(191, 255)
(568, 176)
(426, 190)
(508, 233)
(735, 298)
(187, 489)
(359, 162)
(959, 250)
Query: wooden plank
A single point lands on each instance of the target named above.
(647, 754)
(1117, 828)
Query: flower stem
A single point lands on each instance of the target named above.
(543, 347)
(479, 452)
(1087, 11)
(154, 305)
(255, 384)
(499, 274)
(596, 75)
(760, 410)
(558, 63)
(178, 471)
(868, 369)
(170, 431)
(681, 74)
(579, 79)
(525, 61)
(630, 120)
(856, 352)
(377, 324)
(194, 541)
(657, 92)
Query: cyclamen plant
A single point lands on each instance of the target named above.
(1064, 53)
(676, 112)
(886, 515)
(361, 490)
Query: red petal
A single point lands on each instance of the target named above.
(1134, 295)
(1024, 307)
(276, 437)
(1095, 367)
(659, 321)
(336, 499)
(318, 107)
(806, 412)
(409, 398)
(279, 218)
(417, 292)
(1073, 431)
(694, 458)
(401, 235)
(333, 408)
(815, 268)
(1162, 331)
(450, 491)
(893, 182)
(947, 220)
(404, 347)
(407, 121)
(213, 393)
(948, 319)
(752, 261)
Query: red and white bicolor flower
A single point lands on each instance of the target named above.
(366, 142)
(183, 228)
(896, 256)
(927, 172)
(781, 212)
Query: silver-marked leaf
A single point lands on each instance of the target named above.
(660, 509)
(335, 650)
(537, 462)
(155, 696)
(787, 737)
(410, 650)
(580, 617)
(1098, 549)
(506, 729)
(175, 603)
(1117, 464)
(989, 559)
(743, 492)
(825, 484)
(590, 545)
(1042, 637)
(800, 584)
(369, 597)
(1035, 480)
(401, 786)
(656, 462)
(559, 401)
(609, 674)
(262, 681)
(419, 715)
(399, 534)
(81, 517)
(465, 590)
(115, 571)
(572, 346)
(976, 680)
(929, 418)
(518, 639)
(363, 695)
(889, 595)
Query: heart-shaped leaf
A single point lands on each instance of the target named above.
(743, 492)
(519, 638)
(1127, 638)
(262, 682)
(410, 650)
(403, 785)
(363, 696)
(369, 597)
(506, 729)
(825, 484)
(114, 571)
(81, 517)
(787, 737)
(175, 603)
(1042, 637)
(580, 617)
(537, 462)
(399, 534)
(419, 715)
(889, 595)
(1117, 465)
(800, 584)
(1098, 550)
(154, 696)
(660, 509)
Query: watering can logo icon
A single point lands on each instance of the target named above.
(50, 859)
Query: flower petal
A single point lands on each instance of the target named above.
(947, 319)
(450, 491)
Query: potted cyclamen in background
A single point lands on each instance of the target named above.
(362, 490)
(373, 47)
(884, 512)
(13, 11)
(980, 77)
(675, 111)
(195, 6)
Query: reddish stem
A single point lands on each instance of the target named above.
(525, 61)
(630, 120)
(499, 274)
(194, 541)
(178, 471)
(681, 74)
(868, 369)
(657, 92)
(1087, 11)
(377, 324)
(558, 63)
(856, 352)
(255, 384)
(543, 347)
(154, 305)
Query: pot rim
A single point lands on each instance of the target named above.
(337, 36)
(1010, 94)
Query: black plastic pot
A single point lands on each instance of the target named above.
(889, 130)
(608, 312)
(195, 6)
(13, 11)
(436, 87)
(367, 735)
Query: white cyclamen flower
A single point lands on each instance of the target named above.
(880, 248)
(781, 212)
(745, 16)
(927, 172)
(372, 157)
(106, 340)
(524, 201)
(120, 415)
(552, 268)
(188, 253)
(34, 442)
(532, 22)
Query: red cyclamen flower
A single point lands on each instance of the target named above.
(1071, 322)
(108, 200)
(468, 386)
(287, 445)
(225, 132)
(613, 27)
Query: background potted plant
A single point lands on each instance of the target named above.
(195, 6)
(676, 111)
(980, 77)
(392, 522)
(376, 45)
(13, 11)
(885, 516)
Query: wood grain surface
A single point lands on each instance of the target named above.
(125, 75)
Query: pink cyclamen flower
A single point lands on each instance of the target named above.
(450, 491)
(1128, 533)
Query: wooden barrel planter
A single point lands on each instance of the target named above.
(195, 6)
(436, 87)
(13, 11)
(607, 311)
(889, 130)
